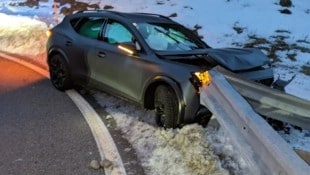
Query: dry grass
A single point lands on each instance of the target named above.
(74, 5)
(276, 43)
(305, 70)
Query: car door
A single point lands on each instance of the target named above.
(118, 71)
(87, 31)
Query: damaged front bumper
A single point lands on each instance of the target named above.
(258, 75)
(266, 77)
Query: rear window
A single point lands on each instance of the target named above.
(88, 27)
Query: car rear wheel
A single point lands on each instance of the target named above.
(59, 73)
(166, 106)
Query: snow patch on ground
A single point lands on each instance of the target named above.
(304, 82)
(299, 139)
(190, 150)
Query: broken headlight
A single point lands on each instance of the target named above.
(200, 79)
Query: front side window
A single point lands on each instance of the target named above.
(168, 37)
(90, 27)
(117, 33)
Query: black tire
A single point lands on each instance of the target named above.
(59, 73)
(166, 106)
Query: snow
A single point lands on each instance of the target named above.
(192, 149)
(298, 139)
(24, 36)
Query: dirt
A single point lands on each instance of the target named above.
(276, 43)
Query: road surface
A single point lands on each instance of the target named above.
(41, 130)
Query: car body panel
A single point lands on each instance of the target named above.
(71, 46)
(239, 59)
(118, 70)
(257, 74)
(232, 58)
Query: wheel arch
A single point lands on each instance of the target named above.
(55, 51)
(149, 93)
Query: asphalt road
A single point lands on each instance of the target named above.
(41, 130)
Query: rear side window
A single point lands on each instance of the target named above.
(89, 27)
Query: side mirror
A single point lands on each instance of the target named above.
(129, 48)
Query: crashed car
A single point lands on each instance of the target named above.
(146, 58)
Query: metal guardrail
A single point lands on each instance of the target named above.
(271, 102)
(259, 145)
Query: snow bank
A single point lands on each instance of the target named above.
(23, 36)
(190, 150)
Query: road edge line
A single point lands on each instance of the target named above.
(26, 64)
(106, 145)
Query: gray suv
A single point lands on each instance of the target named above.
(146, 58)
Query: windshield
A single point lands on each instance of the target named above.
(168, 37)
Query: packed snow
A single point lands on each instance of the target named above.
(222, 23)
(190, 150)
(23, 36)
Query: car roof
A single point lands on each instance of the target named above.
(132, 17)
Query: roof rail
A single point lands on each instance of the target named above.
(90, 11)
(152, 14)
(122, 13)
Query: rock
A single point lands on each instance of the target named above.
(94, 164)
(285, 11)
(107, 7)
(83, 91)
(173, 15)
(197, 27)
(286, 3)
(106, 163)
(108, 117)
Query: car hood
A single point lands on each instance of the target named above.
(231, 58)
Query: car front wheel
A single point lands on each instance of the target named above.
(166, 106)
(59, 73)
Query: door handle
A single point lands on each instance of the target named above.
(101, 54)
(68, 43)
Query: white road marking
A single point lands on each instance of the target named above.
(105, 143)
(102, 136)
